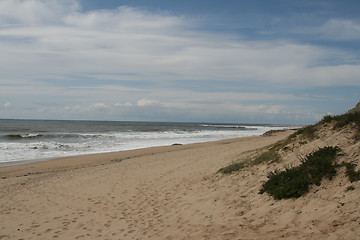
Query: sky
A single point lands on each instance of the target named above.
(238, 61)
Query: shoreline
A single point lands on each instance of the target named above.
(8, 169)
(75, 156)
(31, 161)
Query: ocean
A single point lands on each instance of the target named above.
(36, 140)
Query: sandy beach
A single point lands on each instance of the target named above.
(170, 192)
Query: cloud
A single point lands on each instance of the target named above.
(35, 12)
(146, 102)
(124, 20)
(100, 106)
(156, 46)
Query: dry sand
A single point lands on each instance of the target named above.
(169, 193)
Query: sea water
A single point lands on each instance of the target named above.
(35, 140)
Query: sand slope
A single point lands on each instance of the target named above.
(172, 193)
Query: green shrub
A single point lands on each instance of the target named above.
(290, 183)
(351, 173)
(327, 119)
(320, 164)
(295, 182)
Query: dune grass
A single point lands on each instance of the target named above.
(343, 120)
(233, 167)
(270, 155)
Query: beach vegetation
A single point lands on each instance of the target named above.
(269, 156)
(351, 173)
(233, 167)
(307, 132)
(344, 120)
(302, 136)
(279, 145)
(327, 119)
(295, 182)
